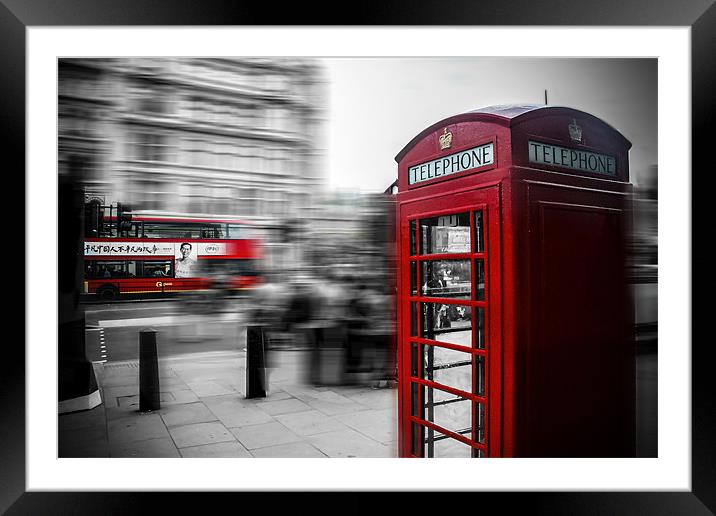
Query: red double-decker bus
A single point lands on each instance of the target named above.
(151, 255)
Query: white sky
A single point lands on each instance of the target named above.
(377, 105)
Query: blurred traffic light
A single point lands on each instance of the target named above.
(124, 218)
(94, 219)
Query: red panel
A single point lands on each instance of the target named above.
(249, 249)
(577, 396)
(144, 285)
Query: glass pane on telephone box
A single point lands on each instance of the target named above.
(445, 234)
(446, 278)
(449, 323)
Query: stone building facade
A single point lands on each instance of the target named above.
(200, 137)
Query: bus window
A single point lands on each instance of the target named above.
(211, 232)
(109, 269)
(234, 231)
(158, 268)
(92, 270)
(172, 230)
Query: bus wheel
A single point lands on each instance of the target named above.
(107, 293)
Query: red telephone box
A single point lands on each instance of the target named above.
(515, 324)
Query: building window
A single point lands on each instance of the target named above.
(248, 202)
(153, 192)
(194, 197)
(222, 200)
(146, 146)
(183, 198)
(76, 121)
(148, 99)
(280, 206)
(258, 116)
(153, 105)
(283, 162)
(247, 157)
(186, 107)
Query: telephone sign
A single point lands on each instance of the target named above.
(479, 156)
(575, 159)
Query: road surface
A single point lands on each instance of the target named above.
(113, 328)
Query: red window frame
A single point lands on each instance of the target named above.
(489, 398)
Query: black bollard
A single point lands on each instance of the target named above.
(148, 371)
(314, 339)
(255, 362)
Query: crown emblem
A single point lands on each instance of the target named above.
(575, 132)
(445, 139)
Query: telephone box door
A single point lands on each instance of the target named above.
(449, 325)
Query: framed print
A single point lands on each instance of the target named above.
(672, 46)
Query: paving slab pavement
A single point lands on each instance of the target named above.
(205, 413)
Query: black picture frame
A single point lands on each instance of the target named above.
(17, 15)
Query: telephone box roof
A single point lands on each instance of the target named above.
(508, 110)
(507, 115)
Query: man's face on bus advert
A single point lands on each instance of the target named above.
(185, 250)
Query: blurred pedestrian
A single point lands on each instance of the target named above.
(301, 307)
(267, 302)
